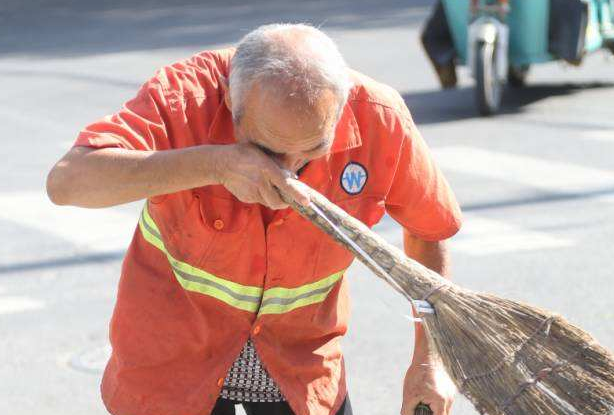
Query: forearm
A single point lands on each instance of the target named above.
(433, 255)
(105, 177)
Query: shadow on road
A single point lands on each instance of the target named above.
(546, 197)
(430, 107)
(70, 76)
(62, 262)
(68, 28)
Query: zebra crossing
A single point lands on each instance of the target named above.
(483, 236)
(553, 176)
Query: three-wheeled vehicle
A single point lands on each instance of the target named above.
(500, 39)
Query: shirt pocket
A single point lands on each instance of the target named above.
(212, 219)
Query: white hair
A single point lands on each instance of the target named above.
(292, 55)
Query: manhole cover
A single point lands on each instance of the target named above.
(91, 361)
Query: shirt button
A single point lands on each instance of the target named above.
(220, 382)
(278, 222)
(256, 330)
(218, 224)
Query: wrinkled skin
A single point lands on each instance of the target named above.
(275, 132)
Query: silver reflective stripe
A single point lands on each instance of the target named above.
(200, 280)
(151, 230)
(286, 301)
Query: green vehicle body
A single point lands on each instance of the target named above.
(528, 28)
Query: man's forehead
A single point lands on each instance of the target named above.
(282, 135)
(288, 101)
(273, 148)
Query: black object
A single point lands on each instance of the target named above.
(227, 407)
(567, 30)
(439, 46)
(423, 409)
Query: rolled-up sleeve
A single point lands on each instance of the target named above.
(139, 125)
(420, 198)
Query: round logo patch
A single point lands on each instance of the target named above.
(354, 178)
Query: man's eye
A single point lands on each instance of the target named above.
(267, 151)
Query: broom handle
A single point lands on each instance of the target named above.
(423, 409)
(408, 277)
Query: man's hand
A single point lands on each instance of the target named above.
(252, 177)
(426, 381)
(96, 178)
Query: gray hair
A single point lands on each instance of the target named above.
(295, 55)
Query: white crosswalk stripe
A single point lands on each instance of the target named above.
(98, 230)
(599, 135)
(528, 171)
(12, 305)
(481, 236)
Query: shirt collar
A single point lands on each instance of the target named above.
(221, 130)
(347, 134)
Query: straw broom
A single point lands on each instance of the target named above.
(506, 357)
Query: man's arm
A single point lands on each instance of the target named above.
(433, 255)
(426, 380)
(96, 178)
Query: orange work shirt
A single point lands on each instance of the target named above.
(204, 272)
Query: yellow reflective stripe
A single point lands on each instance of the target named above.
(229, 299)
(149, 220)
(189, 269)
(191, 278)
(276, 300)
(281, 300)
(150, 236)
(243, 290)
(280, 292)
(283, 308)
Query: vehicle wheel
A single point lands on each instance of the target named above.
(488, 88)
(517, 75)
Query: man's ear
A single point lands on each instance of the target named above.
(226, 90)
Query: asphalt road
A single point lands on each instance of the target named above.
(536, 184)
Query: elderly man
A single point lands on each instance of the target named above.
(227, 295)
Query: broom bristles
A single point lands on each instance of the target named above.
(511, 358)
